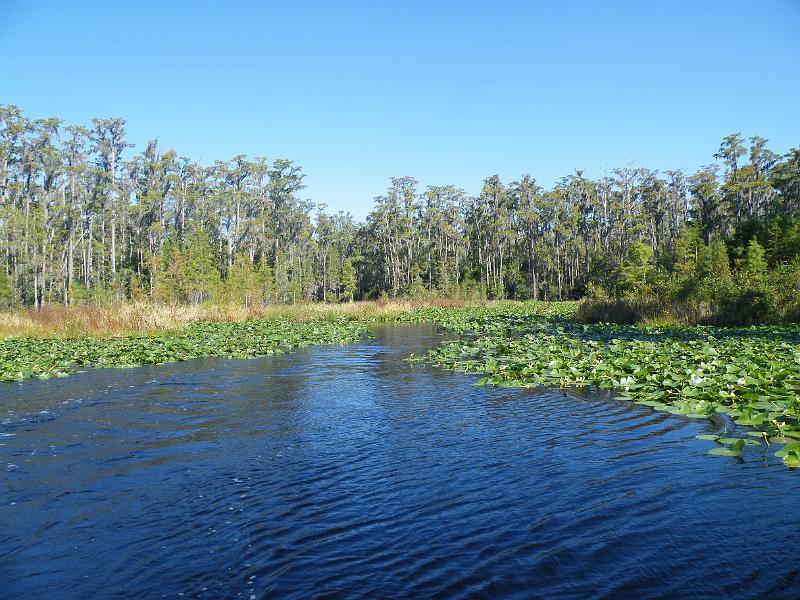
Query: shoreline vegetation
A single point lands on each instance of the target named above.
(687, 282)
(148, 319)
(87, 219)
(59, 340)
(751, 375)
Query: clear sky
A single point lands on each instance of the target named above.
(447, 92)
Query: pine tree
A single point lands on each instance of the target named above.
(203, 281)
(347, 279)
(6, 291)
(241, 284)
(636, 270)
(169, 273)
(754, 262)
(265, 282)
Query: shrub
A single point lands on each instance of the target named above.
(620, 310)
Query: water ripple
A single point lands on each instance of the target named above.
(345, 472)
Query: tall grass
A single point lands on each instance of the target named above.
(742, 309)
(136, 318)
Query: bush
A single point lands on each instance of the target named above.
(621, 310)
(6, 291)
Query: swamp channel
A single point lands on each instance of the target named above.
(346, 471)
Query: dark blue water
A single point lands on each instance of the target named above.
(345, 472)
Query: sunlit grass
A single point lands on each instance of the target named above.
(130, 318)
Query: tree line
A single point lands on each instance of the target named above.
(84, 217)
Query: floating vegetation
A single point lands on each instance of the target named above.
(728, 446)
(790, 454)
(750, 374)
(21, 358)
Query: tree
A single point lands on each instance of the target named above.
(347, 277)
(242, 284)
(754, 263)
(6, 291)
(109, 143)
(202, 277)
(708, 207)
(266, 282)
(713, 273)
(636, 270)
(785, 179)
(85, 217)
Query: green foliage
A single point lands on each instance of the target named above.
(282, 291)
(751, 375)
(696, 284)
(713, 278)
(136, 290)
(242, 285)
(790, 454)
(79, 205)
(21, 358)
(754, 263)
(78, 294)
(6, 291)
(187, 273)
(347, 278)
(637, 270)
(709, 208)
(202, 279)
(265, 282)
(169, 267)
(688, 253)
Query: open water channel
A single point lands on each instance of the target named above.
(345, 472)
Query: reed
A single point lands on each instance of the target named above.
(139, 318)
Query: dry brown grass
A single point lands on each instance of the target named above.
(121, 319)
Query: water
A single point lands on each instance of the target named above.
(345, 472)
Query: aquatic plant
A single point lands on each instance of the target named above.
(120, 319)
(750, 374)
(21, 358)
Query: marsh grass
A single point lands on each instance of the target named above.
(658, 312)
(135, 318)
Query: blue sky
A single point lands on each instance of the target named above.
(447, 92)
